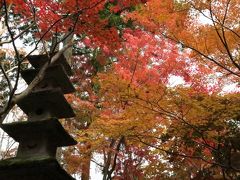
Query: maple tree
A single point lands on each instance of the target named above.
(92, 26)
(95, 24)
(139, 107)
(212, 133)
(207, 28)
(130, 114)
(139, 111)
(156, 121)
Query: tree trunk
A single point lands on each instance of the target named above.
(86, 168)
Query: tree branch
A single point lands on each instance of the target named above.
(36, 80)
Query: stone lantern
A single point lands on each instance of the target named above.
(41, 135)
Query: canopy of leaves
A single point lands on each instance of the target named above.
(126, 55)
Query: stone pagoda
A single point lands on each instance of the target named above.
(41, 135)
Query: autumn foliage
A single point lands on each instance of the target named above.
(151, 79)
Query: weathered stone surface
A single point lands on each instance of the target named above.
(55, 77)
(37, 61)
(38, 138)
(46, 103)
(35, 168)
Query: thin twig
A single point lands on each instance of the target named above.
(7, 78)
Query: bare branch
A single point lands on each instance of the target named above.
(40, 74)
(223, 38)
(17, 57)
(7, 78)
(16, 98)
(20, 34)
(185, 155)
(214, 21)
(203, 55)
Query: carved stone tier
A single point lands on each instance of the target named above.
(38, 138)
(55, 77)
(37, 61)
(35, 168)
(42, 134)
(46, 104)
